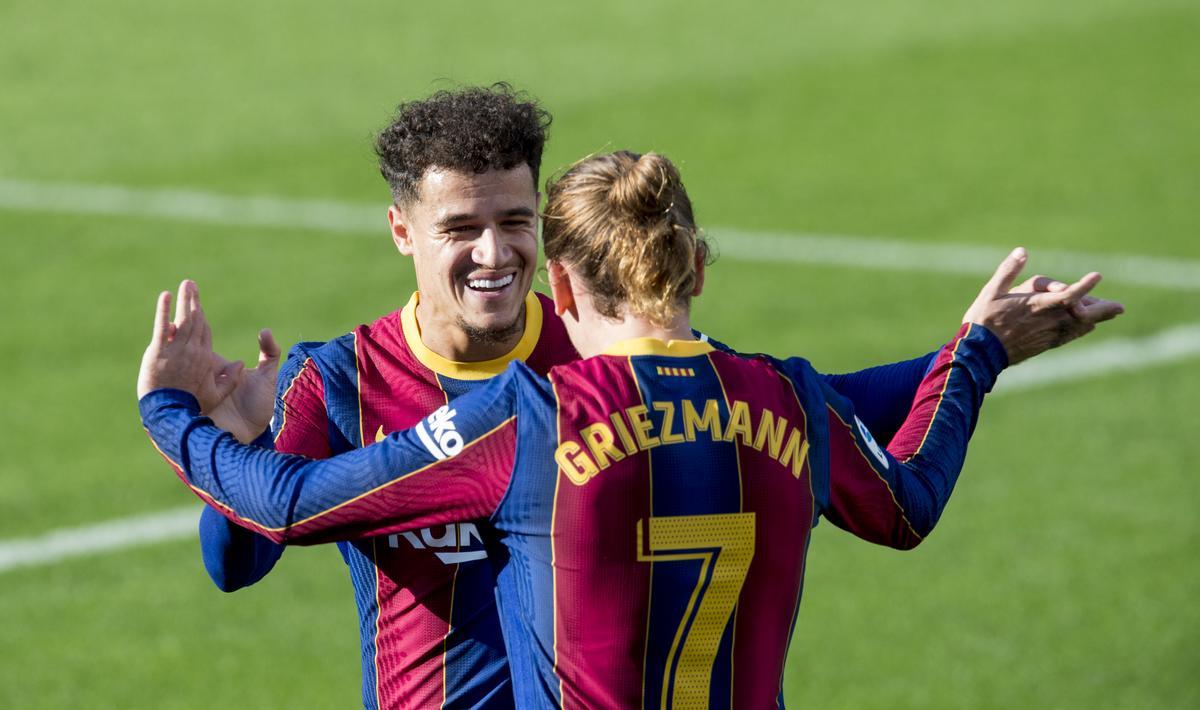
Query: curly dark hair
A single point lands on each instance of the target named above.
(470, 129)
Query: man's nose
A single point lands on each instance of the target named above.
(490, 249)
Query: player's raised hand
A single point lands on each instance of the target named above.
(246, 410)
(180, 352)
(1039, 314)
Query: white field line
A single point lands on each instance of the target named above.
(967, 259)
(118, 534)
(1072, 363)
(368, 218)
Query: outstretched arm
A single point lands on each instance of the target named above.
(454, 465)
(895, 496)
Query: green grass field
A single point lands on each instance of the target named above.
(1064, 573)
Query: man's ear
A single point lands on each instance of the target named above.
(400, 234)
(700, 256)
(560, 289)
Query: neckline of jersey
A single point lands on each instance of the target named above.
(484, 369)
(654, 346)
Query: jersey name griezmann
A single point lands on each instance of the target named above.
(631, 430)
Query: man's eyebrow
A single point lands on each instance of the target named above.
(519, 212)
(452, 219)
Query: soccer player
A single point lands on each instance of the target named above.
(656, 515)
(462, 167)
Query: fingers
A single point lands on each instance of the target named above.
(1093, 310)
(163, 328)
(185, 321)
(226, 379)
(1040, 284)
(1070, 297)
(203, 329)
(268, 349)
(1075, 292)
(1006, 273)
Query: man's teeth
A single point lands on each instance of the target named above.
(491, 283)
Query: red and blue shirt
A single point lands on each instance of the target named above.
(429, 631)
(654, 517)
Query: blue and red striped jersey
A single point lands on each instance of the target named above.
(654, 519)
(429, 630)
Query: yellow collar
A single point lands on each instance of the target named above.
(654, 346)
(471, 370)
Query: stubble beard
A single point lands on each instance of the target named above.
(492, 336)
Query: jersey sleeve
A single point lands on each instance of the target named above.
(882, 395)
(233, 556)
(894, 496)
(301, 421)
(454, 465)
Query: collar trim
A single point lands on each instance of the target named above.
(654, 346)
(483, 369)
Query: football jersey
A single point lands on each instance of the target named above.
(429, 630)
(654, 519)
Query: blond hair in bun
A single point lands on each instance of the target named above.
(625, 223)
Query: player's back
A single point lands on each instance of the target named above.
(679, 514)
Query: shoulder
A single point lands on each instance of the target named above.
(797, 371)
(528, 386)
(339, 358)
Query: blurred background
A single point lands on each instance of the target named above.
(861, 166)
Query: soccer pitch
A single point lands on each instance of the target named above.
(1064, 573)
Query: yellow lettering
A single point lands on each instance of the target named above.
(578, 466)
(693, 421)
(770, 432)
(623, 433)
(795, 452)
(642, 427)
(599, 440)
(739, 422)
(668, 410)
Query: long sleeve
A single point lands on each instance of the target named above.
(454, 465)
(884, 394)
(894, 496)
(233, 556)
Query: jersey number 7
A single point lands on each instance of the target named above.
(724, 546)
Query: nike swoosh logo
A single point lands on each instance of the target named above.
(379, 435)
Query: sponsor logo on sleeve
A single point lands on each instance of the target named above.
(438, 434)
(871, 443)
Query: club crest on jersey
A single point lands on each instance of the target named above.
(459, 536)
(871, 443)
(438, 434)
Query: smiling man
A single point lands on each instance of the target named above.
(463, 168)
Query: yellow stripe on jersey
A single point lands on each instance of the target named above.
(676, 371)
